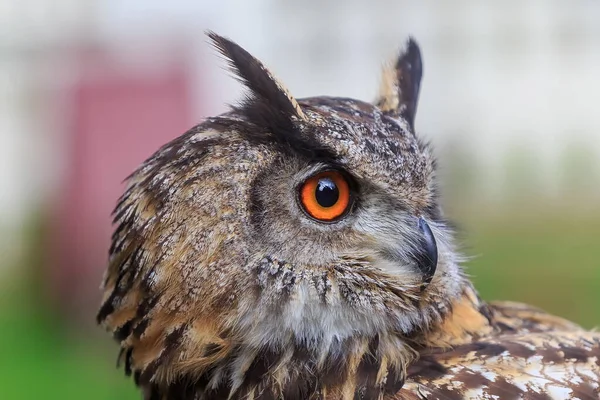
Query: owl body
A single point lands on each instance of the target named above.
(295, 249)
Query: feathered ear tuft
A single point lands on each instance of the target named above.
(265, 89)
(400, 84)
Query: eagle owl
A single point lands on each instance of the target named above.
(296, 249)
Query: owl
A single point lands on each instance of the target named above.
(296, 249)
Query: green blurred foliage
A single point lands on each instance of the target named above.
(42, 360)
(551, 261)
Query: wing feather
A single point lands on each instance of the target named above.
(519, 317)
(541, 365)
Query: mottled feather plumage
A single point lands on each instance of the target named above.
(219, 286)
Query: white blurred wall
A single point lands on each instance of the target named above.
(499, 75)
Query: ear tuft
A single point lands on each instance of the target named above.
(264, 87)
(400, 84)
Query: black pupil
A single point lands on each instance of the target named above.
(327, 193)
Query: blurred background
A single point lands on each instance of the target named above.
(89, 89)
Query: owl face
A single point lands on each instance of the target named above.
(282, 221)
(358, 191)
(348, 224)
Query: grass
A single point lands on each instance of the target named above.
(524, 256)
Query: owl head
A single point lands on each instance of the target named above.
(284, 237)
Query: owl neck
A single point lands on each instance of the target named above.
(368, 365)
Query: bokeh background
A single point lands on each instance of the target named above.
(89, 89)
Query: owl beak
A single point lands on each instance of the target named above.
(426, 253)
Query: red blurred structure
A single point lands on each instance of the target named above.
(118, 116)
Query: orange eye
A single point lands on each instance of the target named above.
(325, 196)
